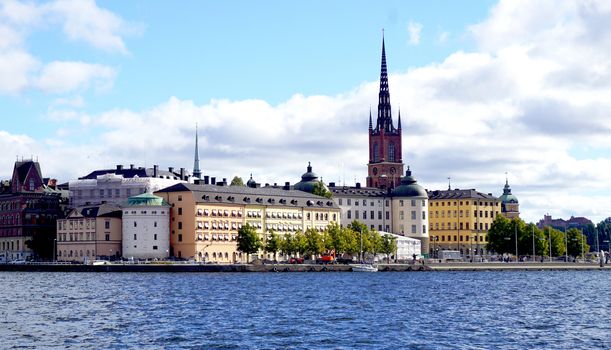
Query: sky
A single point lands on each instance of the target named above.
(487, 91)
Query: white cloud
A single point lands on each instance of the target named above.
(61, 77)
(414, 29)
(16, 67)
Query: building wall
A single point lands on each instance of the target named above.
(87, 239)
(461, 224)
(411, 219)
(360, 208)
(511, 210)
(146, 232)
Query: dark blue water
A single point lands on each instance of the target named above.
(436, 310)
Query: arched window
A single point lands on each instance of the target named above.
(391, 152)
(376, 152)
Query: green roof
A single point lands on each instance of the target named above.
(146, 199)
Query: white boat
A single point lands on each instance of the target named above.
(363, 268)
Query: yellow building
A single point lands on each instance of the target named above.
(90, 233)
(459, 220)
(205, 219)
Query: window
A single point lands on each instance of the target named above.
(102, 193)
(179, 198)
(128, 192)
(154, 247)
(423, 215)
(380, 215)
(349, 214)
(32, 185)
(107, 237)
(356, 203)
(423, 228)
(349, 201)
(135, 237)
(413, 228)
(413, 202)
(372, 215)
(413, 215)
(179, 211)
(155, 224)
(387, 215)
(180, 237)
(107, 225)
(180, 225)
(376, 153)
(401, 217)
(401, 202)
(391, 152)
(356, 214)
(339, 201)
(364, 214)
(117, 193)
(135, 224)
(109, 193)
(364, 203)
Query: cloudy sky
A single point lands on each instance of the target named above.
(484, 88)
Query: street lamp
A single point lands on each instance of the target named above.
(549, 231)
(54, 249)
(533, 229)
(516, 236)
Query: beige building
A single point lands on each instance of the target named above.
(90, 233)
(205, 219)
(459, 220)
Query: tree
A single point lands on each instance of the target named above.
(237, 181)
(576, 242)
(319, 189)
(499, 236)
(389, 245)
(273, 244)
(300, 243)
(557, 240)
(313, 242)
(287, 244)
(248, 240)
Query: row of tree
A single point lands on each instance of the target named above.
(503, 233)
(333, 240)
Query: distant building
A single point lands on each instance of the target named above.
(115, 186)
(406, 247)
(28, 212)
(563, 225)
(385, 165)
(460, 219)
(205, 219)
(90, 233)
(368, 205)
(146, 227)
(510, 207)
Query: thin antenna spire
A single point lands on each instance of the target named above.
(197, 173)
(449, 183)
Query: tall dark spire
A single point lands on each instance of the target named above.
(384, 112)
(197, 173)
(399, 122)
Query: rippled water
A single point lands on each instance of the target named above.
(437, 310)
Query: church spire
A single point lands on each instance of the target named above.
(370, 123)
(384, 121)
(197, 173)
(399, 122)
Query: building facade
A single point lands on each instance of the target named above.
(385, 165)
(28, 213)
(115, 186)
(205, 219)
(459, 220)
(90, 233)
(368, 205)
(146, 227)
(410, 205)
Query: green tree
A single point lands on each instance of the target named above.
(321, 190)
(248, 240)
(499, 239)
(272, 245)
(557, 240)
(374, 242)
(300, 243)
(389, 245)
(287, 245)
(237, 181)
(603, 229)
(576, 242)
(314, 242)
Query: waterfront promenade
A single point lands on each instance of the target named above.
(195, 267)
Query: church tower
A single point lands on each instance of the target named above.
(385, 165)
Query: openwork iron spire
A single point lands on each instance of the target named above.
(384, 111)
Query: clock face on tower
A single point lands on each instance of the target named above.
(375, 171)
(392, 170)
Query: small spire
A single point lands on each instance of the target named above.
(309, 167)
(506, 179)
(399, 123)
(449, 183)
(370, 122)
(197, 173)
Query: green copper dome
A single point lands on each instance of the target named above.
(308, 180)
(507, 197)
(409, 187)
(146, 199)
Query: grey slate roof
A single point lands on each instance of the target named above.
(270, 196)
(458, 194)
(130, 173)
(358, 191)
(102, 210)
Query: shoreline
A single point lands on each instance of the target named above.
(181, 268)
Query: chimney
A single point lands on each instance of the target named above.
(155, 170)
(182, 173)
(131, 166)
(225, 180)
(266, 184)
(206, 179)
(119, 167)
(171, 169)
(358, 185)
(213, 180)
(52, 183)
(197, 181)
(287, 186)
(331, 184)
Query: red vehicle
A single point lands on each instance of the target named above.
(296, 261)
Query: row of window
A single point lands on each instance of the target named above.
(413, 215)
(414, 229)
(358, 216)
(215, 212)
(454, 203)
(136, 237)
(134, 212)
(11, 246)
(450, 213)
(340, 201)
(216, 225)
(456, 238)
(109, 192)
(6, 206)
(460, 226)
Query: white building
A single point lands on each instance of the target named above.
(406, 247)
(368, 205)
(410, 207)
(146, 227)
(117, 185)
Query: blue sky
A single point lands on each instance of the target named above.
(484, 87)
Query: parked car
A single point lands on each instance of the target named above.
(326, 259)
(17, 262)
(296, 261)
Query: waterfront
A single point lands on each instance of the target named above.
(510, 309)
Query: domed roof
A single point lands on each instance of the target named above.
(308, 180)
(251, 183)
(145, 199)
(507, 197)
(409, 187)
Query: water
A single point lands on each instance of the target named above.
(436, 310)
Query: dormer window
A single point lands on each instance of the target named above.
(31, 184)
